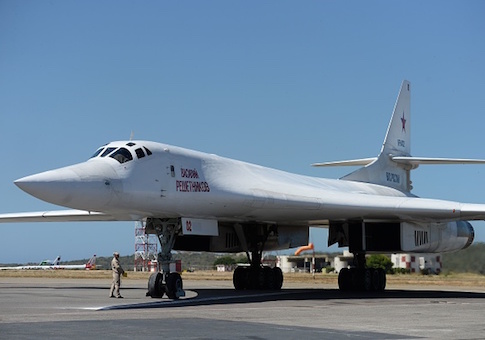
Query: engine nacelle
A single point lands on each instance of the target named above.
(436, 237)
(401, 237)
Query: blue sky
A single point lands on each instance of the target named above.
(279, 83)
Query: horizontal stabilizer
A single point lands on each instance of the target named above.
(351, 162)
(427, 160)
(414, 161)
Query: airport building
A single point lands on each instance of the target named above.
(304, 263)
(415, 263)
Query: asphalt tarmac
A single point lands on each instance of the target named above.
(81, 309)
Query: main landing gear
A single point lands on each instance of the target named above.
(360, 278)
(256, 276)
(165, 282)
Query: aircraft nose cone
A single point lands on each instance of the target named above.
(85, 186)
(51, 186)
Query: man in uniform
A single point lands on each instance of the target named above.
(117, 272)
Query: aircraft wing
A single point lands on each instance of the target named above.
(351, 162)
(12, 268)
(313, 211)
(473, 211)
(56, 216)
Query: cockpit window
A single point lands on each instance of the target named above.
(107, 152)
(122, 155)
(97, 152)
(140, 153)
(148, 151)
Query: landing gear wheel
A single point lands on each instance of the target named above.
(253, 278)
(269, 278)
(174, 286)
(382, 279)
(156, 288)
(376, 280)
(367, 280)
(344, 280)
(278, 278)
(262, 278)
(240, 278)
(357, 281)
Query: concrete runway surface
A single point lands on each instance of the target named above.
(80, 309)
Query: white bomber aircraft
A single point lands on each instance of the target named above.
(46, 264)
(91, 264)
(202, 202)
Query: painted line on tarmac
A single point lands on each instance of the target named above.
(187, 301)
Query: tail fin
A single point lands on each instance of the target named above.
(91, 263)
(397, 142)
(393, 166)
(56, 261)
(398, 136)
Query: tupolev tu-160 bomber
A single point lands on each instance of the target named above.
(197, 201)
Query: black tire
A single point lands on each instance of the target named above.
(253, 278)
(357, 280)
(240, 278)
(262, 278)
(270, 278)
(382, 279)
(367, 280)
(174, 284)
(376, 280)
(344, 280)
(155, 285)
(278, 278)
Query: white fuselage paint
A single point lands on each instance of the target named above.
(176, 182)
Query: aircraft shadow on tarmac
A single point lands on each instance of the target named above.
(224, 296)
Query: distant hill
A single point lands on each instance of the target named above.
(190, 260)
(470, 260)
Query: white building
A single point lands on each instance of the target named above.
(303, 263)
(415, 263)
(225, 268)
(418, 262)
(343, 261)
(285, 264)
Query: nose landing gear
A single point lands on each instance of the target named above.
(165, 282)
(172, 285)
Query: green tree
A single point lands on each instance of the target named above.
(242, 259)
(379, 261)
(469, 260)
(225, 260)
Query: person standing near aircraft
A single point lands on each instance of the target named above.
(117, 272)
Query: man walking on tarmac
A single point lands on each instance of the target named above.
(117, 272)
